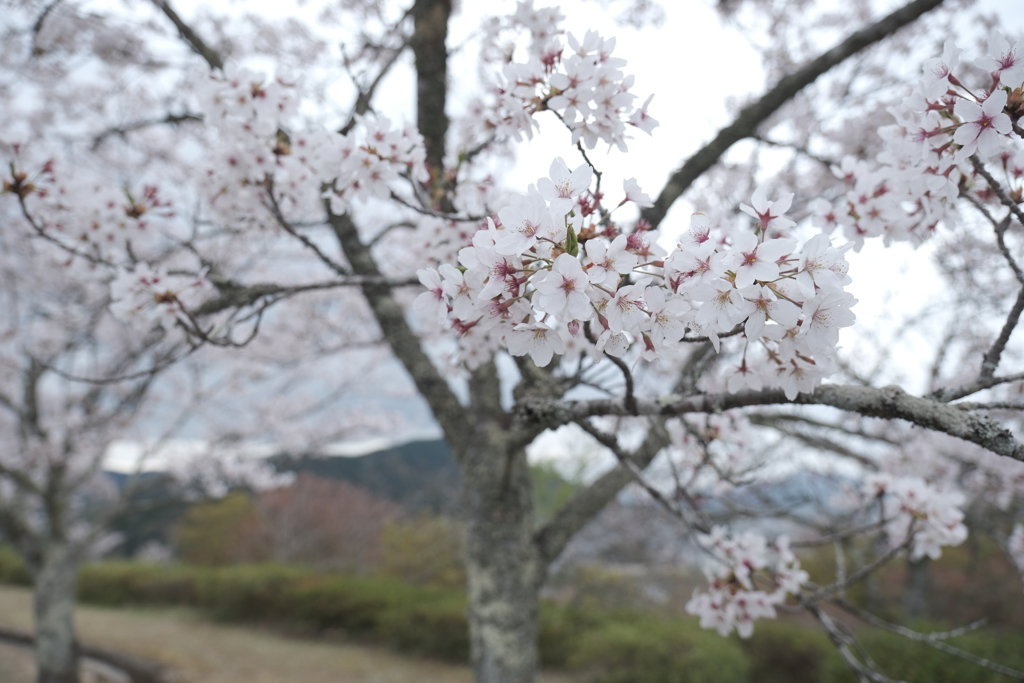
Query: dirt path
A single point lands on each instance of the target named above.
(199, 651)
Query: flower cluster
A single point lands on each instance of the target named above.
(940, 129)
(915, 510)
(261, 162)
(152, 298)
(89, 217)
(550, 277)
(732, 600)
(578, 80)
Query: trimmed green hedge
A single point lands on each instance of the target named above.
(12, 569)
(605, 646)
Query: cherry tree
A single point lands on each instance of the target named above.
(219, 200)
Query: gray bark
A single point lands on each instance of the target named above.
(891, 403)
(54, 603)
(503, 565)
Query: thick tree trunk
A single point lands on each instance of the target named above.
(54, 595)
(504, 567)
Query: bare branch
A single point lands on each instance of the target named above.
(275, 210)
(827, 163)
(234, 295)
(889, 402)
(453, 418)
(211, 56)
(586, 502)
(365, 97)
(627, 376)
(946, 395)
(122, 131)
(842, 642)
(991, 360)
(997, 189)
(934, 640)
(754, 114)
(430, 31)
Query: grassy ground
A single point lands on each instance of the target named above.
(200, 651)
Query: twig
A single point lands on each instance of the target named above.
(211, 56)
(997, 189)
(754, 114)
(629, 398)
(611, 444)
(796, 148)
(946, 395)
(275, 210)
(121, 131)
(437, 214)
(934, 640)
(870, 567)
(990, 361)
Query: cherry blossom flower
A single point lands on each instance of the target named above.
(635, 194)
(983, 125)
(605, 259)
(626, 310)
(742, 376)
(525, 221)
(821, 266)
(536, 339)
(767, 305)
(824, 314)
(751, 260)
(731, 600)
(667, 315)
(770, 215)
(642, 120)
(938, 70)
(1004, 61)
(148, 296)
(433, 302)
(562, 291)
(723, 305)
(562, 187)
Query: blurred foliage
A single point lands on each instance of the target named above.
(645, 650)
(551, 490)
(12, 569)
(601, 643)
(213, 533)
(424, 549)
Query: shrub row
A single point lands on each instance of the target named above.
(605, 646)
(12, 569)
(421, 620)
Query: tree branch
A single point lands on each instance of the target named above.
(887, 402)
(121, 131)
(453, 418)
(430, 30)
(977, 385)
(365, 97)
(234, 295)
(931, 639)
(991, 360)
(587, 502)
(200, 47)
(997, 189)
(754, 114)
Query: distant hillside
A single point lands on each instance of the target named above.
(417, 475)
